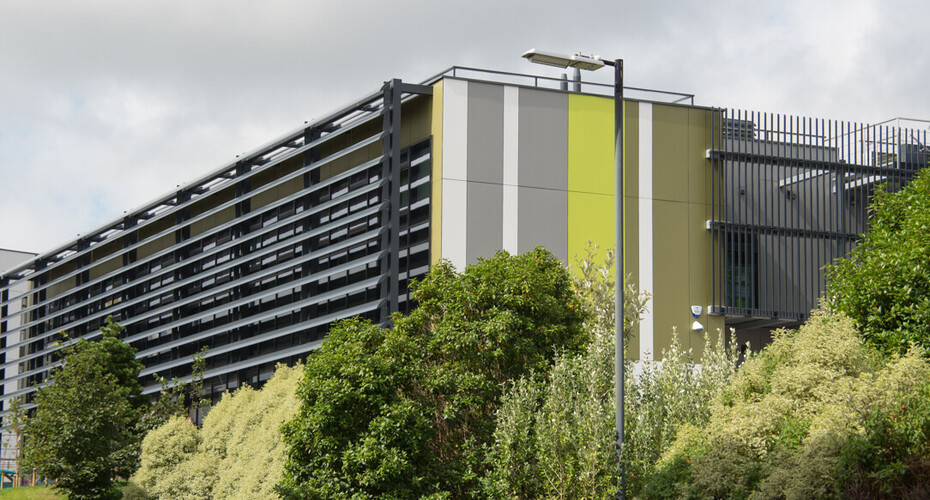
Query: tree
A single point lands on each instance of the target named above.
(408, 411)
(84, 430)
(239, 452)
(817, 414)
(884, 283)
(555, 438)
(171, 399)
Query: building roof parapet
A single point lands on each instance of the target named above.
(553, 83)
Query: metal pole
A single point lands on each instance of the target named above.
(618, 266)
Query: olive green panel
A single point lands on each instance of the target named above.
(164, 223)
(337, 144)
(59, 288)
(203, 225)
(416, 120)
(681, 207)
(631, 206)
(700, 240)
(64, 286)
(435, 222)
(671, 273)
(670, 160)
(98, 270)
(61, 270)
(415, 126)
(155, 246)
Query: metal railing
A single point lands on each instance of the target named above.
(548, 82)
(790, 195)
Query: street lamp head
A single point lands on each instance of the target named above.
(564, 61)
(547, 58)
(586, 62)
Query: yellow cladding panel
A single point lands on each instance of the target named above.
(436, 177)
(590, 173)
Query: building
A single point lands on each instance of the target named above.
(735, 212)
(9, 445)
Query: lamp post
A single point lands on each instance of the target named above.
(592, 64)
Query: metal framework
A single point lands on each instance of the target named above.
(790, 195)
(254, 260)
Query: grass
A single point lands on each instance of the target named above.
(30, 493)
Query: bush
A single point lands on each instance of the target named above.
(815, 415)
(408, 411)
(84, 429)
(239, 452)
(555, 437)
(884, 283)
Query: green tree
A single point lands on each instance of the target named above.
(239, 452)
(884, 283)
(555, 438)
(408, 411)
(817, 414)
(171, 400)
(85, 428)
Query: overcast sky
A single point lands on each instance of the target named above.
(106, 104)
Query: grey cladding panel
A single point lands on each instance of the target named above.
(485, 133)
(543, 220)
(543, 139)
(484, 221)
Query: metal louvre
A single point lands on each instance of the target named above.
(258, 289)
(790, 195)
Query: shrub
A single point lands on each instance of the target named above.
(239, 452)
(408, 411)
(84, 429)
(884, 283)
(555, 437)
(815, 415)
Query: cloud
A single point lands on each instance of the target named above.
(107, 104)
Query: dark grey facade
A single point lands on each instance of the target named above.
(791, 196)
(253, 261)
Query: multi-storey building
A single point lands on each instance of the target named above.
(736, 212)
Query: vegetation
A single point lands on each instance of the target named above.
(239, 452)
(815, 415)
(555, 437)
(884, 283)
(31, 493)
(408, 411)
(85, 428)
(177, 398)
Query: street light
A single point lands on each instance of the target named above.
(592, 64)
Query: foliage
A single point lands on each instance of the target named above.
(15, 419)
(662, 396)
(30, 493)
(84, 430)
(174, 393)
(239, 452)
(593, 281)
(407, 411)
(884, 283)
(891, 459)
(815, 415)
(555, 437)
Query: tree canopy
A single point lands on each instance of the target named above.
(84, 431)
(238, 453)
(884, 283)
(816, 414)
(407, 411)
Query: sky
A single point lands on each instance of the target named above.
(105, 105)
